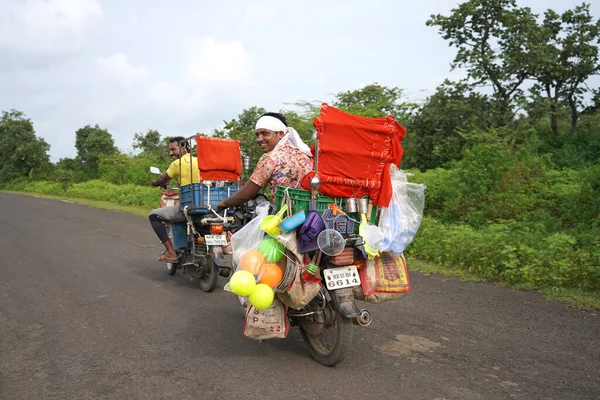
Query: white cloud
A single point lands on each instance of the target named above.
(117, 66)
(217, 63)
(46, 25)
(262, 12)
(164, 93)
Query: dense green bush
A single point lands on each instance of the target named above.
(504, 213)
(525, 255)
(122, 169)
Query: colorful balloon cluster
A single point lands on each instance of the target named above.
(259, 274)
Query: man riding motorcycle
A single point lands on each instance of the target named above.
(286, 161)
(179, 150)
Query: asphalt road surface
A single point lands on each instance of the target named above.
(86, 312)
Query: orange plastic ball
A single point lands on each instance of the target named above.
(252, 261)
(271, 275)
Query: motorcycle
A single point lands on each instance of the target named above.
(199, 241)
(327, 322)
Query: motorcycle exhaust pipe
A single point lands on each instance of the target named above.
(364, 319)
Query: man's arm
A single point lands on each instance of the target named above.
(249, 191)
(162, 180)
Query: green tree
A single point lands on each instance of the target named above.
(302, 121)
(566, 56)
(595, 106)
(151, 144)
(435, 133)
(23, 152)
(91, 143)
(375, 101)
(493, 38)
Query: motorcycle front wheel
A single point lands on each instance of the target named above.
(171, 268)
(331, 345)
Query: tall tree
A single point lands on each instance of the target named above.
(595, 106)
(91, 142)
(493, 42)
(436, 131)
(22, 151)
(152, 145)
(566, 56)
(374, 101)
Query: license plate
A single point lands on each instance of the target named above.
(215, 240)
(342, 277)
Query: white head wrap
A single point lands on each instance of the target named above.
(291, 135)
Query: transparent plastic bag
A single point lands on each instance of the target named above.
(400, 221)
(250, 236)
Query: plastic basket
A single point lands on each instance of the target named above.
(179, 235)
(301, 199)
(340, 223)
(189, 195)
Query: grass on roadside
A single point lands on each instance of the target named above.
(104, 205)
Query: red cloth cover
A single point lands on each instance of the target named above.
(218, 159)
(355, 154)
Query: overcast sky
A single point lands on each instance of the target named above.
(184, 66)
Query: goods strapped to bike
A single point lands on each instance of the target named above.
(219, 171)
(344, 230)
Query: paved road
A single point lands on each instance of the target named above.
(87, 313)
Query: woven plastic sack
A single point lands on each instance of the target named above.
(383, 279)
(268, 323)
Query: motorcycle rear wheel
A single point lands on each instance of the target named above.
(208, 283)
(330, 354)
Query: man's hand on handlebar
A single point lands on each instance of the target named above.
(155, 183)
(221, 206)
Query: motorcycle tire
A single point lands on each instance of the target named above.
(208, 283)
(343, 338)
(171, 268)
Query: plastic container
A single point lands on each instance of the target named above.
(301, 198)
(341, 222)
(294, 221)
(179, 235)
(189, 195)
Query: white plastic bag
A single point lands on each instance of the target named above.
(250, 236)
(400, 221)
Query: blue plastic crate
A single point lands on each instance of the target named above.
(189, 195)
(180, 236)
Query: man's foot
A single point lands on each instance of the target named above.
(168, 257)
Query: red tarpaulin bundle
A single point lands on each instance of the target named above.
(355, 154)
(218, 159)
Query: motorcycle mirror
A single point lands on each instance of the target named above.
(155, 170)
